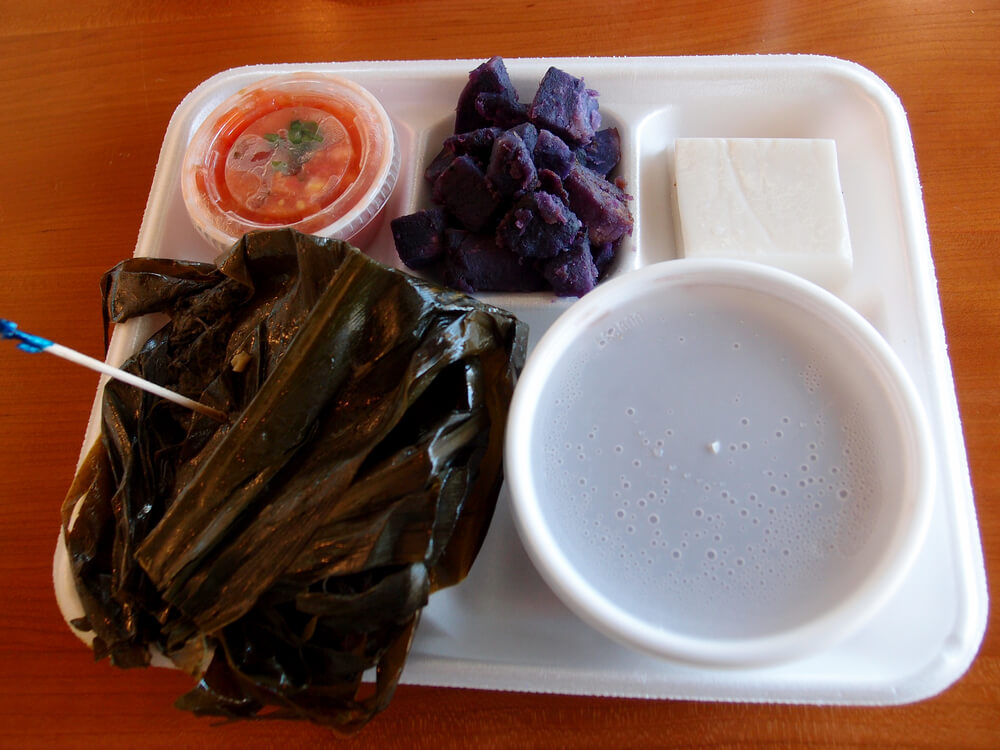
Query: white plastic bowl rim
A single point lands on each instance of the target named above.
(843, 617)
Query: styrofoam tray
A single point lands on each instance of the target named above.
(502, 628)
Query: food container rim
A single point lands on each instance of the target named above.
(913, 506)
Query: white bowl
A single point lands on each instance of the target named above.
(719, 463)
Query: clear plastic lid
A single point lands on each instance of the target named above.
(309, 151)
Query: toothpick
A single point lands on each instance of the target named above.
(31, 343)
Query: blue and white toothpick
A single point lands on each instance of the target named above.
(30, 343)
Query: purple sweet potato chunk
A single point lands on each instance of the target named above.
(572, 273)
(601, 205)
(438, 164)
(528, 133)
(604, 254)
(538, 226)
(474, 263)
(551, 152)
(565, 106)
(463, 190)
(475, 143)
(603, 152)
(521, 196)
(550, 182)
(419, 237)
(511, 171)
(503, 110)
(489, 78)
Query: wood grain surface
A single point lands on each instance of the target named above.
(86, 91)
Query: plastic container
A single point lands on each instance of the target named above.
(310, 151)
(719, 462)
(503, 628)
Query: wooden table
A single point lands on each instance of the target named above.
(87, 89)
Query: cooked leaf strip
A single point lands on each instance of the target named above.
(358, 474)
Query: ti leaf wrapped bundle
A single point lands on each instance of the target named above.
(282, 556)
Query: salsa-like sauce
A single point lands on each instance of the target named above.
(280, 158)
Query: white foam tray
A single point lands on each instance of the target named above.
(502, 628)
